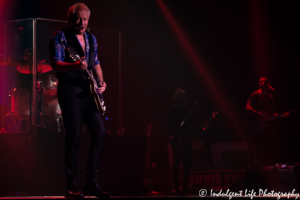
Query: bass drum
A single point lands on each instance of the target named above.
(53, 120)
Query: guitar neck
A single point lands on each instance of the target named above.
(282, 115)
(275, 117)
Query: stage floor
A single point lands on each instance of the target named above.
(31, 166)
(91, 197)
(152, 196)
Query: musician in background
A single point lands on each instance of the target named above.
(75, 99)
(259, 111)
(261, 101)
(181, 138)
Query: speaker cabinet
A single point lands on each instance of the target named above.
(229, 155)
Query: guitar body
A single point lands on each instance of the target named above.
(253, 123)
(97, 96)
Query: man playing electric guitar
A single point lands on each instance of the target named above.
(75, 98)
(258, 118)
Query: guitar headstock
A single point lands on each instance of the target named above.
(214, 114)
(73, 54)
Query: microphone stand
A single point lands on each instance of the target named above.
(186, 117)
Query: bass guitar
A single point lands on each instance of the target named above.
(92, 81)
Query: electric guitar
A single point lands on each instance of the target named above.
(205, 125)
(92, 81)
(256, 122)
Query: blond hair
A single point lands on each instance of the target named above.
(75, 8)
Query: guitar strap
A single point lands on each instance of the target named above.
(73, 42)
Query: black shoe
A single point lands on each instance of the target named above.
(94, 190)
(72, 189)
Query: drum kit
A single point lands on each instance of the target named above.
(48, 113)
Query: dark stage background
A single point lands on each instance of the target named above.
(239, 41)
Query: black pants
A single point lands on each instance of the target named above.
(182, 151)
(77, 105)
(262, 147)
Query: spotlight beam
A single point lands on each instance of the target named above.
(260, 41)
(202, 69)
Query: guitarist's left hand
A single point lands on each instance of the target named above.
(102, 87)
(286, 114)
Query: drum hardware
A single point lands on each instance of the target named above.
(19, 101)
(12, 124)
(40, 89)
(24, 124)
(51, 112)
(48, 113)
(52, 116)
(59, 121)
(9, 122)
(50, 90)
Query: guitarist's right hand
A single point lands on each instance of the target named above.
(82, 65)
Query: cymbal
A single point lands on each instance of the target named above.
(42, 68)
